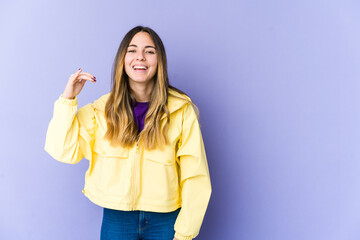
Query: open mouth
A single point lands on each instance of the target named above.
(139, 68)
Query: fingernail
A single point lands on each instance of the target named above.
(79, 68)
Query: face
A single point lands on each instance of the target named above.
(141, 59)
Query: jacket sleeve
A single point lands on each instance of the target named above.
(70, 132)
(195, 178)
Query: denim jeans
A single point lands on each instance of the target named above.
(138, 225)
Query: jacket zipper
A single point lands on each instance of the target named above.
(134, 175)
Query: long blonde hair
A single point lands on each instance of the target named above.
(121, 127)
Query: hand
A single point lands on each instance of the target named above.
(74, 85)
(175, 239)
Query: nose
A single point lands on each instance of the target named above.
(140, 55)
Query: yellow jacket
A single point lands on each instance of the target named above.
(136, 178)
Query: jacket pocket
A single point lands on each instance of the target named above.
(104, 149)
(112, 168)
(160, 177)
(165, 156)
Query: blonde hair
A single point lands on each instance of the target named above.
(121, 127)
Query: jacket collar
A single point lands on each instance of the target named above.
(175, 101)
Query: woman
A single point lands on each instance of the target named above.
(147, 162)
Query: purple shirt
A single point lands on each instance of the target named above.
(139, 111)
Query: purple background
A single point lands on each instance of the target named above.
(277, 85)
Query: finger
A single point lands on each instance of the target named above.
(76, 74)
(82, 82)
(86, 78)
(87, 74)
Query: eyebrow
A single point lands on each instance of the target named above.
(133, 45)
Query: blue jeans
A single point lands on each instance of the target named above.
(138, 225)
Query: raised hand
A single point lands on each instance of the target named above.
(76, 83)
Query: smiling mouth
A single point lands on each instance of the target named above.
(139, 68)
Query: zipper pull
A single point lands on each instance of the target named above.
(137, 146)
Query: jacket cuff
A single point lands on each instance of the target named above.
(71, 102)
(182, 237)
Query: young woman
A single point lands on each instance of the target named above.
(147, 162)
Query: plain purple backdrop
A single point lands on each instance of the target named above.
(277, 85)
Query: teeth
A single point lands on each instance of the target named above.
(140, 67)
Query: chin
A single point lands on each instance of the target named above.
(140, 80)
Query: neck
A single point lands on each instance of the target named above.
(142, 91)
